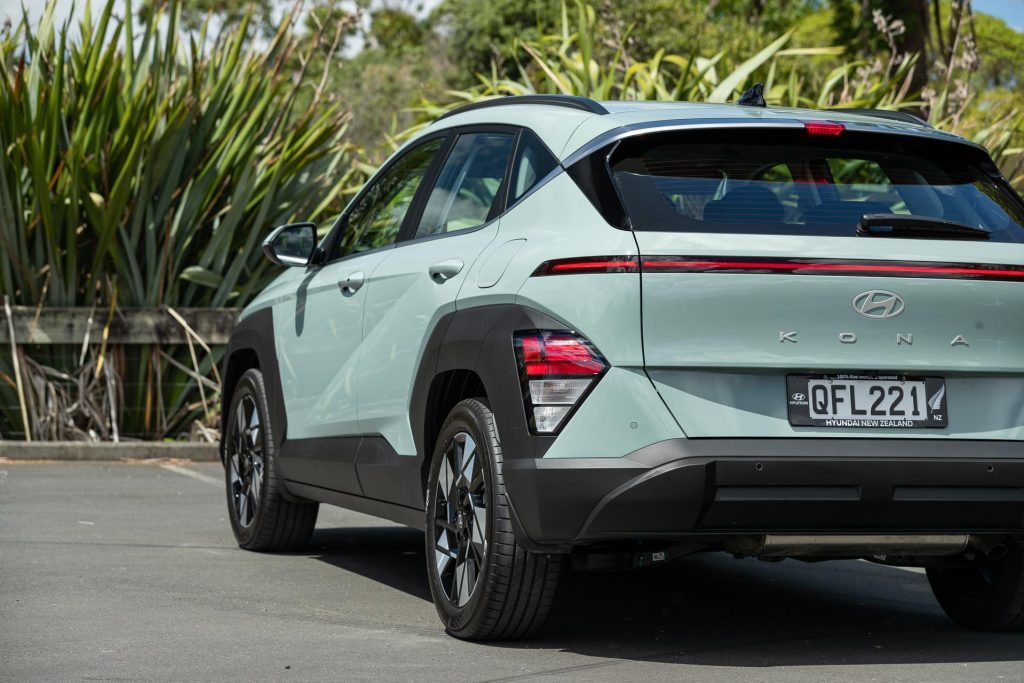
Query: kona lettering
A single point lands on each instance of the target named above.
(851, 338)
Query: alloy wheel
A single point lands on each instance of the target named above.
(246, 460)
(460, 519)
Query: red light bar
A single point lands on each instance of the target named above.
(589, 264)
(783, 266)
(714, 264)
(830, 128)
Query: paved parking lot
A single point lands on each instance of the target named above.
(127, 571)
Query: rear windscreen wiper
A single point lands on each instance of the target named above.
(903, 225)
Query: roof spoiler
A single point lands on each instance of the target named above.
(568, 101)
(905, 117)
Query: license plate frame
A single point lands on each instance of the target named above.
(808, 405)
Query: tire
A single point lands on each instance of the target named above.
(261, 518)
(989, 597)
(505, 591)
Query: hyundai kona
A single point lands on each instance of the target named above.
(555, 332)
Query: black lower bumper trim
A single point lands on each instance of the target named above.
(684, 487)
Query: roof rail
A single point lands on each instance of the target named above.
(569, 101)
(905, 117)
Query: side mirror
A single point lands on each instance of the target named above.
(291, 245)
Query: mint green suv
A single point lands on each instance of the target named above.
(553, 332)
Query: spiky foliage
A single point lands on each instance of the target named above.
(142, 166)
(797, 77)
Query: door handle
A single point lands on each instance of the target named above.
(445, 270)
(352, 283)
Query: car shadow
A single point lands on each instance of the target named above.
(391, 555)
(713, 610)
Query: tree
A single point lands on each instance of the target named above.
(400, 62)
(479, 32)
(1002, 53)
(482, 32)
(894, 26)
(394, 28)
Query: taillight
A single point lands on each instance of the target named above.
(557, 370)
(588, 264)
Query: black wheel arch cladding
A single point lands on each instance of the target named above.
(479, 341)
(471, 349)
(252, 346)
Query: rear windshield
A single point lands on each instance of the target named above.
(800, 184)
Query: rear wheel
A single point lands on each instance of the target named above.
(261, 518)
(989, 597)
(485, 586)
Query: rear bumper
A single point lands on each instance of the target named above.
(681, 487)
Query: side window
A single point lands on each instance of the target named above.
(533, 162)
(467, 186)
(375, 220)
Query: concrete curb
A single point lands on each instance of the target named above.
(132, 450)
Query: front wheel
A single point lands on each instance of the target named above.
(988, 597)
(261, 517)
(485, 586)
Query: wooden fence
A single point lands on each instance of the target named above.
(126, 338)
(127, 326)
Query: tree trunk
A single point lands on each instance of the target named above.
(916, 16)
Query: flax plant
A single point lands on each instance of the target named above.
(143, 165)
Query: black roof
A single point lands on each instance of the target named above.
(594, 107)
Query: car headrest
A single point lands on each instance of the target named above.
(745, 204)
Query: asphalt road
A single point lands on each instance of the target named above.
(119, 571)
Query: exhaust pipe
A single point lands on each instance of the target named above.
(849, 545)
(993, 548)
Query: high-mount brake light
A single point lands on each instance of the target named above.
(828, 128)
(557, 370)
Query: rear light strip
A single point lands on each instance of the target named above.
(715, 264)
(588, 264)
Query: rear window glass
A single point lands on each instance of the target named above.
(798, 184)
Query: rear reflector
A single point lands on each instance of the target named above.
(830, 128)
(557, 370)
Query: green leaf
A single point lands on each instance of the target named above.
(201, 276)
(735, 80)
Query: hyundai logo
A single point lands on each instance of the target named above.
(878, 303)
(799, 397)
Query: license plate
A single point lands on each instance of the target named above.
(871, 401)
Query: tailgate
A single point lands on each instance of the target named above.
(871, 264)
